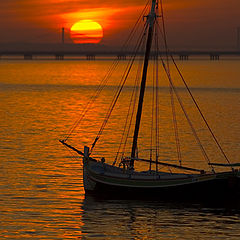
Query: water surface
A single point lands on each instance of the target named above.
(41, 186)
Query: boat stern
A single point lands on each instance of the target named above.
(89, 185)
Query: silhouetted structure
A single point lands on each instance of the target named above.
(183, 56)
(63, 35)
(214, 56)
(60, 54)
(121, 56)
(238, 38)
(90, 56)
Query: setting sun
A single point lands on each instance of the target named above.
(86, 31)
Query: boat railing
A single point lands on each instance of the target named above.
(201, 171)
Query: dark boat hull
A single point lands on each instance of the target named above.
(220, 189)
(107, 181)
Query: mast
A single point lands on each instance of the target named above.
(151, 19)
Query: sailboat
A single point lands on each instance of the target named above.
(161, 178)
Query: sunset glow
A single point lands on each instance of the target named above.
(86, 31)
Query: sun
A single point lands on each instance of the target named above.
(86, 31)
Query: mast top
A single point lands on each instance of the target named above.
(152, 14)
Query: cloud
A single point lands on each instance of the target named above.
(53, 7)
(25, 18)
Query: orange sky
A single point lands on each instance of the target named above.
(190, 23)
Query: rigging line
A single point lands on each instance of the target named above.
(127, 118)
(151, 20)
(123, 80)
(130, 61)
(98, 91)
(157, 103)
(135, 25)
(93, 98)
(179, 155)
(152, 121)
(170, 89)
(131, 104)
(71, 153)
(120, 87)
(124, 77)
(136, 95)
(157, 113)
(198, 108)
(202, 115)
(169, 77)
(164, 34)
(113, 103)
(187, 117)
(185, 113)
(107, 76)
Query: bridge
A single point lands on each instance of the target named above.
(63, 49)
(92, 55)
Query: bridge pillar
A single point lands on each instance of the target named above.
(59, 56)
(121, 57)
(90, 57)
(214, 57)
(183, 57)
(28, 56)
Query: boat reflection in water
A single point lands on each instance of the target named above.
(138, 219)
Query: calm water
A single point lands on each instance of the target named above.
(41, 188)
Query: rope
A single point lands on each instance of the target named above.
(71, 153)
(104, 81)
(152, 122)
(134, 29)
(203, 117)
(187, 117)
(193, 99)
(120, 87)
(179, 155)
(175, 91)
(157, 114)
(175, 127)
(93, 98)
(131, 117)
(131, 104)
